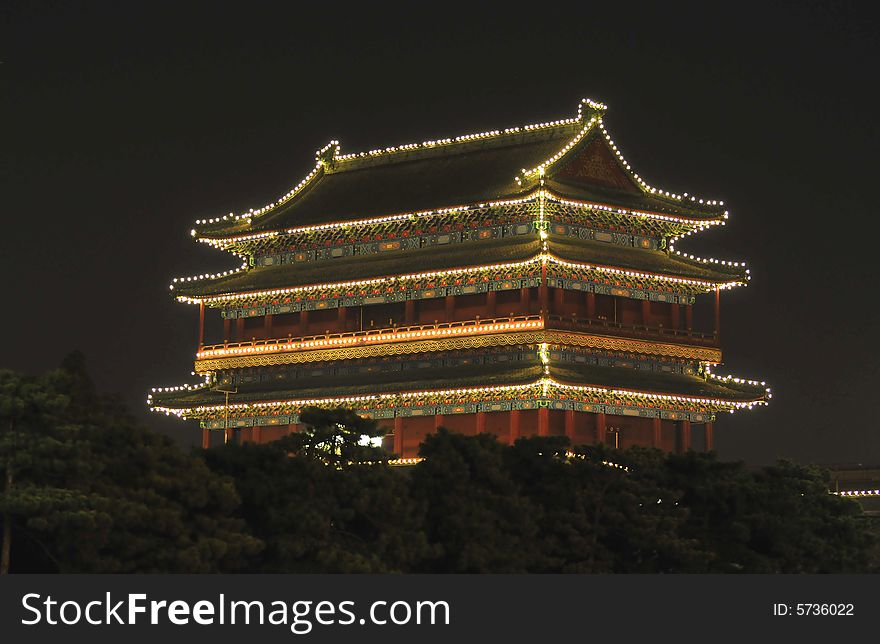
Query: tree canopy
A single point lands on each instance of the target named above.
(86, 489)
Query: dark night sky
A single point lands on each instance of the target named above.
(122, 126)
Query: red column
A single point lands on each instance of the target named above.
(569, 425)
(676, 311)
(229, 435)
(257, 434)
(709, 434)
(398, 436)
(438, 421)
(591, 305)
(543, 421)
(543, 293)
(600, 427)
(409, 315)
(525, 303)
(239, 329)
(267, 326)
(684, 436)
(450, 308)
(717, 313)
(303, 322)
(293, 428)
(341, 319)
(206, 438)
(558, 300)
(227, 324)
(689, 317)
(657, 424)
(491, 306)
(646, 313)
(514, 426)
(201, 325)
(481, 422)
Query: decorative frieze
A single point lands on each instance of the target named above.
(556, 338)
(542, 393)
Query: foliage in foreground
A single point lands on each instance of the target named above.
(87, 490)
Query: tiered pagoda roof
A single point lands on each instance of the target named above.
(574, 158)
(462, 256)
(524, 201)
(371, 392)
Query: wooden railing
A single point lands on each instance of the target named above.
(613, 327)
(387, 334)
(452, 329)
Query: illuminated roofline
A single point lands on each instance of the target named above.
(701, 223)
(323, 159)
(546, 382)
(544, 257)
(329, 155)
(540, 170)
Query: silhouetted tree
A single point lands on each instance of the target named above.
(476, 521)
(337, 437)
(85, 489)
(317, 518)
(98, 493)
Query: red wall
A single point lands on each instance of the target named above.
(467, 307)
(631, 430)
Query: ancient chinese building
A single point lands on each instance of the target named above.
(519, 282)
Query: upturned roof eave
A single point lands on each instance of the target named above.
(197, 291)
(554, 192)
(329, 162)
(611, 381)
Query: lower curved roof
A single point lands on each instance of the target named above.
(363, 267)
(576, 250)
(461, 255)
(472, 376)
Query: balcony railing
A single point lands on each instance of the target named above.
(453, 329)
(613, 327)
(373, 336)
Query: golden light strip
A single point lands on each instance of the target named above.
(703, 355)
(540, 258)
(857, 493)
(664, 397)
(701, 222)
(643, 184)
(340, 400)
(415, 460)
(285, 197)
(336, 157)
(642, 274)
(391, 336)
(224, 241)
(397, 462)
(540, 169)
(740, 381)
(231, 297)
(703, 260)
(547, 383)
(407, 147)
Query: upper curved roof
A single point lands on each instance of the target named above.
(574, 157)
(458, 256)
(616, 379)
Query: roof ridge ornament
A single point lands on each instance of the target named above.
(588, 108)
(589, 114)
(327, 155)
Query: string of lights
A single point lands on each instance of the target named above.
(543, 258)
(547, 384)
